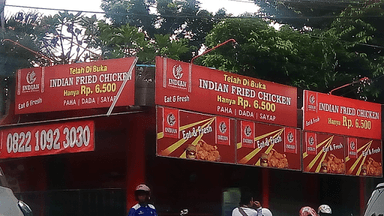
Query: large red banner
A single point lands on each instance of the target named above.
(75, 86)
(195, 136)
(268, 146)
(338, 115)
(47, 139)
(323, 153)
(191, 87)
(364, 157)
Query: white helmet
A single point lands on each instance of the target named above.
(143, 187)
(266, 212)
(324, 209)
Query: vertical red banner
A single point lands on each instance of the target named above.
(290, 140)
(352, 147)
(247, 134)
(171, 123)
(222, 131)
(311, 143)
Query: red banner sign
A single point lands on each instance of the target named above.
(75, 86)
(338, 115)
(199, 136)
(324, 153)
(186, 86)
(274, 146)
(48, 139)
(364, 157)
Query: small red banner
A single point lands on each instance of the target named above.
(223, 136)
(352, 147)
(171, 123)
(201, 137)
(339, 115)
(201, 89)
(275, 146)
(75, 86)
(68, 137)
(290, 140)
(365, 157)
(247, 134)
(310, 143)
(328, 156)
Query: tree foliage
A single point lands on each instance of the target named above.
(67, 37)
(315, 13)
(127, 40)
(305, 60)
(180, 19)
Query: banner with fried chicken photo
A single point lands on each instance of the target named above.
(324, 153)
(266, 145)
(364, 157)
(195, 136)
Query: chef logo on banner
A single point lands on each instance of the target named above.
(171, 123)
(248, 134)
(311, 143)
(177, 76)
(222, 131)
(29, 80)
(290, 144)
(352, 147)
(312, 101)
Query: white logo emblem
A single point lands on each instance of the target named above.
(352, 145)
(31, 77)
(247, 131)
(312, 99)
(171, 119)
(290, 137)
(177, 71)
(311, 140)
(222, 127)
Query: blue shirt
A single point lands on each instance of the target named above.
(145, 210)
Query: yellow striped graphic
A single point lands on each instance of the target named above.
(271, 146)
(359, 170)
(319, 165)
(180, 142)
(256, 151)
(327, 142)
(353, 167)
(160, 135)
(198, 138)
(305, 154)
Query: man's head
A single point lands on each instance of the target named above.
(142, 193)
(247, 199)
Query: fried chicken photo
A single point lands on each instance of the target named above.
(204, 151)
(373, 167)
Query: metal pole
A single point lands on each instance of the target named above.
(2, 9)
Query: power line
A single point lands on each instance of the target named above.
(55, 9)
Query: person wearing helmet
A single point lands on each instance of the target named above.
(324, 210)
(307, 211)
(248, 206)
(266, 212)
(142, 208)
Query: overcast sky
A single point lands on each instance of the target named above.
(235, 7)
